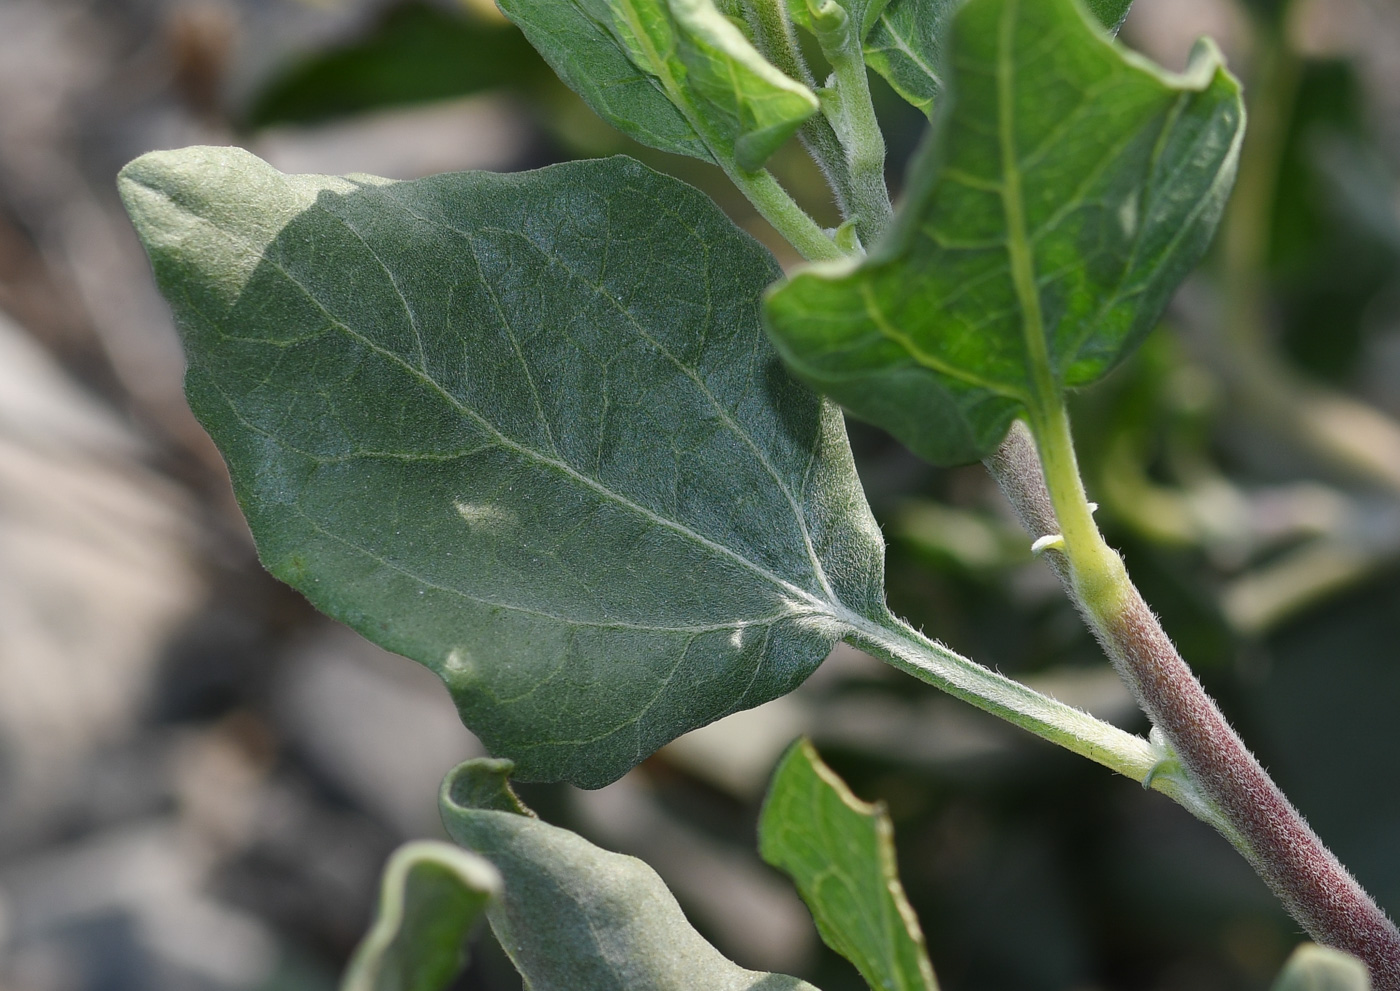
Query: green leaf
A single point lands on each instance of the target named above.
(418, 52)
(574, 917)
(525, 429)
(1110, 13)
(432, 895)
(840, 851)
(673, 74)
(1068, 188)
(1319, 968)
(905, 45)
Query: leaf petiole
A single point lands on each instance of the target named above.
(776, 205)
(901, 646)
(1100, 581)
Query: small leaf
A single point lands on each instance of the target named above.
(525, 429)
(840, 851)
(574, 917)
(905, 44)
(1319, 968)
(1068, 188)
(673, 74)
(431, 896)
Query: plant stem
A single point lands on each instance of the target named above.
(778, 207)
(772, 201)
(852, 114)
(1260, 821)
(903, 647)
(1097, 572)
(864, 143)
(776, 40)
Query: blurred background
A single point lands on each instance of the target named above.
(200, 778)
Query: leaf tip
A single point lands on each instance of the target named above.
(483, 783)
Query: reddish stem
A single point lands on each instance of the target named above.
(1273, 836)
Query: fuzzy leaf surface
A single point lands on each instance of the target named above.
(574, 917)
(673, 74)
(905, 44)
(840, 852)
(525, 429)
(1068, 188)
(431, 896)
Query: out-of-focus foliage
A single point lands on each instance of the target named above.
(417, 52)
(432, 896)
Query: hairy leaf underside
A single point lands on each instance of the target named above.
(525, 429)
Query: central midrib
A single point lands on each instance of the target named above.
(569, 471)
(1043, 388)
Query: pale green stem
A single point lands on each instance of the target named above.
(852, 114)
(778, 207)
(903, 647)
(1099, 580)
(776, 40)
(769, 198)
(864, 143)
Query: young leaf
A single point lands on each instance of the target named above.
(525, 429)
(840, 851)
(1319, 968)
(577, 918)
(905, 44)
(1068, 188)
(674, 74)
(432, 895)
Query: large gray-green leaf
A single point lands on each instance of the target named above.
(905, 45)
(432, 895)
(1068, 188)
(674, 74)
(840, 851)
(1319, 968)
(574, 917)
(525, 429)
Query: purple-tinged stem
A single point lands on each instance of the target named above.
(1272, 835)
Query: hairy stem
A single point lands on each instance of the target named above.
(1260, 821)
(778, 207)
(777, 41)
(849, 108)
(864, 145)
(903, 647)
(769, 198)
